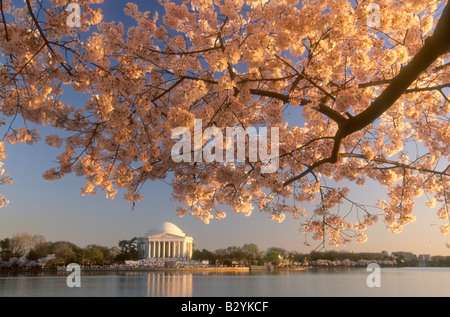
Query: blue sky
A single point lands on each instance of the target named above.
(57, 210)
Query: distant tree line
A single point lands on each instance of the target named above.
(35, 247)
(249, 254)
(441, 261)
(340, 255)
(246, 255)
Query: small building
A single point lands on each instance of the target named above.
(407, 256)
(165, 242)
(424, 257)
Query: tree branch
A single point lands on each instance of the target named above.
(4, 20)
(398, 164)
(435, 46)
(271, 94)
(321, 107)
(42, 34)
(437, 87)
(38, 26)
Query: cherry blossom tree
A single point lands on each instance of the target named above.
(370, 102)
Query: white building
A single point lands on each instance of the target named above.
(424, 257)
(165, 242)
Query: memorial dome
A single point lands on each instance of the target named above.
(165, 242)
(166, 228)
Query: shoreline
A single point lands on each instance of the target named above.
(195, 269)
(162, 269)
(245, 269)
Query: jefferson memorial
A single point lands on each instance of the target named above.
(165, 242)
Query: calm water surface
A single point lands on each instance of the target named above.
(331, 282)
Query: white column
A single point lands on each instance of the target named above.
(190, 251)
(158, 249)
(164, 249)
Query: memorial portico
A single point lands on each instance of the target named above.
(166, 241)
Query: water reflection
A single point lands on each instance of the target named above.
(150, 284)
(169, 284)
(348, 282)
(126, 284)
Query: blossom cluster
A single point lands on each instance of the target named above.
(235, 63)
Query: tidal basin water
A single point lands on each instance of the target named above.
(337, 282)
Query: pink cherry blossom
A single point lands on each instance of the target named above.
(353, 103)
